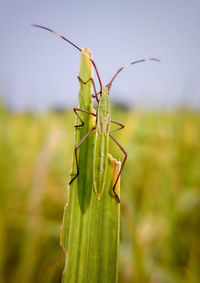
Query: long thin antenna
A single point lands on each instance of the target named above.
(61, 36)
(39, 26)
(126, 66)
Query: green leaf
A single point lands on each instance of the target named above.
(90, 231)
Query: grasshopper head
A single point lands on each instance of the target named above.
(104, 114)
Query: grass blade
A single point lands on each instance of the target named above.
(90, 232)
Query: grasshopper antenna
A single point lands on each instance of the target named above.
(39, 26)
(126, 66)
(70, 42)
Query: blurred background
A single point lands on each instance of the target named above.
(158, 103)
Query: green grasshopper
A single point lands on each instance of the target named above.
(102, 128)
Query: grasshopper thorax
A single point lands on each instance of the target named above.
(104, 112)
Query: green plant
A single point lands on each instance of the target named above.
(90, 232)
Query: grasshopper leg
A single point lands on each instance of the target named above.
(125, 153)
(98, 93)
(76, 156)
(84, 111)
(94, 87)
(118, 123)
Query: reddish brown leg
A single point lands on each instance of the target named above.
(84, 111)
(75, 151)
(124, 151)
(118, 123)
(94, 87)
(93, 96)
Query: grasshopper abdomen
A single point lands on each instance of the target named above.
(101, 144)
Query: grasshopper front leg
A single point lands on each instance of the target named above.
(94, 87)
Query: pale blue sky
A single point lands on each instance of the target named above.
(38, 70)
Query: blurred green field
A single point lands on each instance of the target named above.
(160, 195)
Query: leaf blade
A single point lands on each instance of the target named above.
(90, 231)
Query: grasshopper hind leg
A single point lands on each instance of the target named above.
(84, 111)
(125, 153)
(76, 156)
